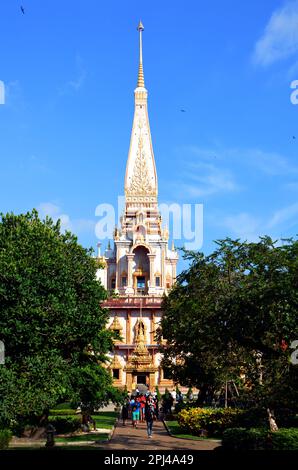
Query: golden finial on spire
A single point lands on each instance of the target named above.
(141, 82)
(140, 26)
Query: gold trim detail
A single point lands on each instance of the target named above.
(115, 325)
(140, 181)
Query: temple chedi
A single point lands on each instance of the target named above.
(140, 267)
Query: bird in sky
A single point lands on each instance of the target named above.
(294, 137)
(182, 110)
(22, 10)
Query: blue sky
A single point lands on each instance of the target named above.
(70, 68)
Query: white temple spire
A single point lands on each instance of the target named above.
(141, 81)
(141, 178)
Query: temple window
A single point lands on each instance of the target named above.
(124, 281)
(113, 283)
(116, 374)
(157, 281)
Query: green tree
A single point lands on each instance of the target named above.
(234, 312)
(51, 320)
(158, 394)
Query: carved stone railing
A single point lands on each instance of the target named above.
(133, 301)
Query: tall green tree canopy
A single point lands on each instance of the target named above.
(51, 319)
(234, 313)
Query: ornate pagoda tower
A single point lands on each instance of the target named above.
(140, 267)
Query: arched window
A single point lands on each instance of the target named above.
(141, 269)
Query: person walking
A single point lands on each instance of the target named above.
(156, 404)
(138, 405)
(135, 415)
(149, 415)
(124, 413)
(142, 408)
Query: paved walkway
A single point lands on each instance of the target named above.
(128, 438)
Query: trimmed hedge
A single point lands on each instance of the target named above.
(67, 405)
(62, 412)
(285, 439)
(212, 420)
(216, 420)
(5, 437)
(260, 439)
(65, 424)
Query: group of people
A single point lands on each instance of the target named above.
(141, 408)
(144, 407)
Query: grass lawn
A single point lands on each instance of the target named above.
(57, 448)
(80, 438)
(105, 419)
(81, 447)
(176, 431)
(84, 437)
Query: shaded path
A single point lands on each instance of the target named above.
(128, 438)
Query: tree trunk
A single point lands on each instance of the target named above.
(272, 422)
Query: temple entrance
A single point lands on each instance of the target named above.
(141, 283)
(142, 379)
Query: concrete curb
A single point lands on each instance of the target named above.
(111, 433)
(167, 429)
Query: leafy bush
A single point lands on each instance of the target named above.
(260, 439)
(257, 417)
(213, 420)
(184, 406)
(65, 406)
(62, 412)
(5, 436)
(292, 422)
(285, 439)
(65, 424)
(253, 418)
(23, 423)
(167, 394)
(158, 394)
(246, 439)
(286, 418)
